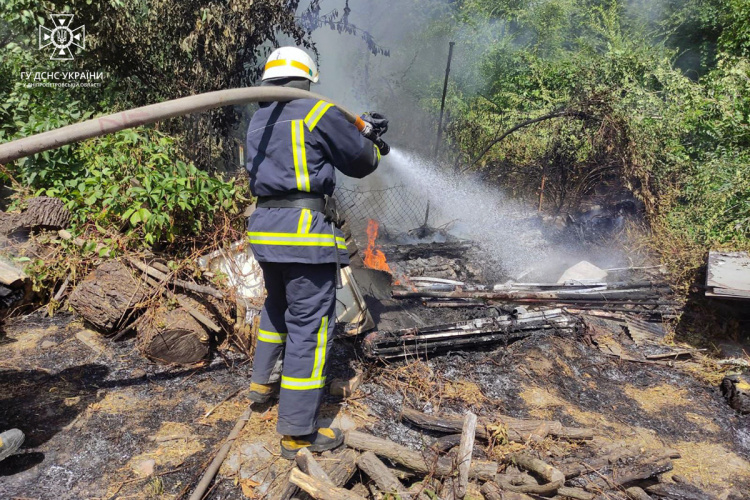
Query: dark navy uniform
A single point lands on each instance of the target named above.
(295, 147)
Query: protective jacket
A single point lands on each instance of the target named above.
(294, 147)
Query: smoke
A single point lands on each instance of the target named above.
(403, 87)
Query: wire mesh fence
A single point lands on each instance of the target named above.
(396, 208)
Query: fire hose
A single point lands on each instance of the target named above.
(104, 125)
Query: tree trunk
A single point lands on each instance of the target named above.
(173, 336)
(108, 296)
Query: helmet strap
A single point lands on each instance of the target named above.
(295, 83)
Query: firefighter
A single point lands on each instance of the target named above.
(293, 148)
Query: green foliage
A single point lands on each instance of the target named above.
(136, 180)
(655, 97)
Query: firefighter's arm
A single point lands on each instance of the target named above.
(350, 152)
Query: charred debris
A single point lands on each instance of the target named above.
(409, 297)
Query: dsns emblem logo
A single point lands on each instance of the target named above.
(61, 37)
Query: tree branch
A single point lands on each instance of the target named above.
(554, 114)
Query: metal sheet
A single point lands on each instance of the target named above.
(728, 275)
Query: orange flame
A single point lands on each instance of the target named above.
(374, 257)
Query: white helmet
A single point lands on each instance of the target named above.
(288, 62)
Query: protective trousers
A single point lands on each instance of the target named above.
(297, 322)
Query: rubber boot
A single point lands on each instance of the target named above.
(322, 440)
(262, 393)
(10, 442)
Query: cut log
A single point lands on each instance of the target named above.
(465, 450)
(636, 493)
(625, 476)
(340, 468)
(448, 489)
(173, 336)
(414, 460)
(555, 479)
(109, 296)
(382, 475)
(360, 489)
(307, 464)
(345, 388)
(632, 454)
(320, 490)
(673, 491)
(492, 491)
(445, 443)
(42, 212)
(517, 430)
(575, 493)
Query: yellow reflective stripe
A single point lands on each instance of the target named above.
(296, 239)
(315, 114)
(320, 349)
(296, 235)
(295, 155)
(283, 62)
(300, 156)
(312, 112)
(305, 221)
(271, 337)
(377, 150)
(302, 384)
(297, 243)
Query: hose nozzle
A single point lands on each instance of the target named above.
(382, 146)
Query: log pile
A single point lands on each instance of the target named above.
(451, 472)
(121, 297)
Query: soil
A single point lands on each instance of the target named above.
(95, 413)
(103, 422)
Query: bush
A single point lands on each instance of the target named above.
(136, 180)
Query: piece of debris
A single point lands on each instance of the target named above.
(345, 388)
(728, 275)
(145, 468)
(736, 391)
(583, 272)
(465, 334)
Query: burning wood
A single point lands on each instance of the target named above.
(471, 333)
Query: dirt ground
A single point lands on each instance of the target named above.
(102, 422)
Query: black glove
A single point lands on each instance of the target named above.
(377, 121)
